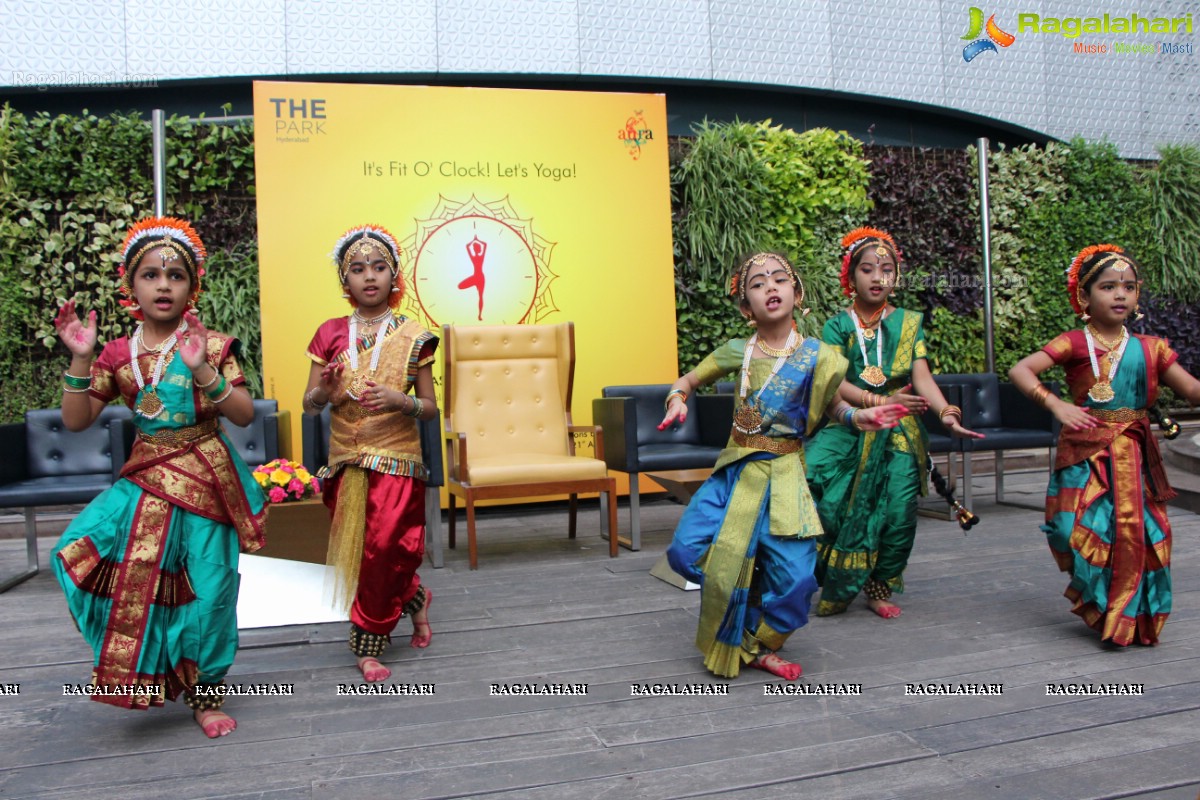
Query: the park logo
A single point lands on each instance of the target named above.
(995, 35)
(635, 134)
(298, 119)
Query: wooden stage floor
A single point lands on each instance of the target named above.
(980, 609)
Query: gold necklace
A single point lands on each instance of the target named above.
(150, 350)
(782, 352)
(867, 325)
(1108, 345)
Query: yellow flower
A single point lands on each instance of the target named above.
(280, 478)
(303, 475)
(260, 478)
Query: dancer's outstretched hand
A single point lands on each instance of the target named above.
(880, 417)
(78, 336)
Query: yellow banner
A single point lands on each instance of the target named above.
(511, 206)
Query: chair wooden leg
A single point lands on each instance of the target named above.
(31, 553)
(451, 514)
(574, 506)
(472, 551)
(612, 519)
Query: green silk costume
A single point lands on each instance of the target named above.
(866, 483)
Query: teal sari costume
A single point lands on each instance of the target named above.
(150, 567)
(747, 535)
(1106, 516)
(866, 483)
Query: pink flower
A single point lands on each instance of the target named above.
(296, 487)
(277, 494)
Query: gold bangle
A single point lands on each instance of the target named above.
(854, 420)
(69, 390)
(680, 393)
(948, 410)
(216, 376)
(1039, 394)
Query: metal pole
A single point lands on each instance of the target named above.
(158, 127)
(985, 225)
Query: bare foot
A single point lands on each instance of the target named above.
(777, 666)
(372, 670)
(884, 608)
(214, 723)
(422, 633)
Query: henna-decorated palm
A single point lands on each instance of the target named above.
(194, 346)
(881, 417)
(78, 336)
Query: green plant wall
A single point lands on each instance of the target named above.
(71, 185)
(743, 187)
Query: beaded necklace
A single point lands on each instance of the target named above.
(749, 418)
(149, 404)
(358, 384)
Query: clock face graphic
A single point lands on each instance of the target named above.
(473, 262)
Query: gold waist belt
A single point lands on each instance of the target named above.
(1118, 414)
(174, 437)
(759, 442)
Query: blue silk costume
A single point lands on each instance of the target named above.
(748, 534)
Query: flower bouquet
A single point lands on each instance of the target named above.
(284, 480)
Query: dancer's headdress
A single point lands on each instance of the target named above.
(154, 233)
(854, 241)
(737, 284)
(1087, 263)
(361, 240)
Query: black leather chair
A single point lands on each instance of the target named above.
(258, 442)
(44, 464)
(629, 416)
(314, 432)
(1008, 419)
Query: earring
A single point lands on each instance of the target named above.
(135, 306)
(345, 295)
(1138, 316)
(395, 289)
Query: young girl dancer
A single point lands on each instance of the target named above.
(865, 484)
(150, 567)
(1106, 516)
(366, 365)
(748, 534)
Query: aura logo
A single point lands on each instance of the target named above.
(994, 34)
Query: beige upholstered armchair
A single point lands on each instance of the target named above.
(508, 421)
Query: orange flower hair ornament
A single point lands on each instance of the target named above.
(361, 240)
(1075, 280)
(154, 233)
(853, 241)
